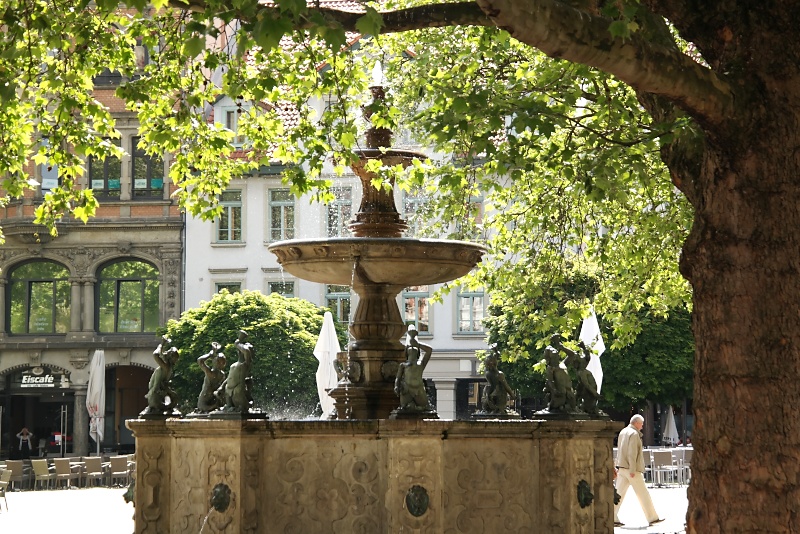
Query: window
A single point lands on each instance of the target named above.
(232, 287)
(229, 224)
(340, 211)
(232, 116)
(147, 173)
(415, 308)
(338, 300)
(471, 225)
(470, 311)
(38, 299)
(282, 288)
(105, 176)
(281, 214)
(413, 204)
(127, 297)
(144, 54)
(49, 172)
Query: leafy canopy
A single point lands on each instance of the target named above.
(563, 157)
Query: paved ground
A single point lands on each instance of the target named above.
(104, 510)
(670, 504)
(73, 511)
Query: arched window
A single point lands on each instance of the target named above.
(127, 297)
(38, 298)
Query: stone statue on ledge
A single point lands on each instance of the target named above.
(497, 391)
(161, 399)
(213, 366)
(409, 384)
(558, 385)
(237, 388)
(586, 388)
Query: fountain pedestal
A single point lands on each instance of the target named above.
(380, 477)
(370, 393)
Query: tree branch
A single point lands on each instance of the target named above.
(564, 32)
(401, 20)
(560, 31)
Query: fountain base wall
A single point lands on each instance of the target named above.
(369, 476)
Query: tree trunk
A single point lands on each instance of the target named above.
(742, 259)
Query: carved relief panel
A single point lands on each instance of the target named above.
(490, 489)
(317, 486)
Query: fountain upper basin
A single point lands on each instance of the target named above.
(395, 261)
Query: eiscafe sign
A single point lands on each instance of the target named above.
(42, 381)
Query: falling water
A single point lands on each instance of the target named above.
(205, 520)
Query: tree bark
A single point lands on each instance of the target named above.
(742, 259)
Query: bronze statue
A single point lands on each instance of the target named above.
(213, 365)
(237, 387)
(409, 384)
(558, 385)
(586, 390)
(160, 395)
(497, 391)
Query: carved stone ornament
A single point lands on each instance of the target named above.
(417, 501)
(79, 359)
(220, 497)
(585, 495)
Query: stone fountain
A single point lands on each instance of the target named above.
(364, 473)
(378, 263)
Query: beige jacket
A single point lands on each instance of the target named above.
(629, 449)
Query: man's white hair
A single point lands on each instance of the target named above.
(636, 417)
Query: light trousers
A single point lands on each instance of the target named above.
(624, 481)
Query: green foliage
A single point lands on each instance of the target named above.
(563, 157)
(283, 332)
(568, 166)
(657, 367)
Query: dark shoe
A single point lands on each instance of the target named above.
(618, 524)
(656, 521)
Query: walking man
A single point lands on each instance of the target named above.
(630, 465)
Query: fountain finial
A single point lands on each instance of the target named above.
(377, 215)
(377, 137)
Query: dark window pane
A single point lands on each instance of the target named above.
(41, 314)
(128, 298)
(38, 299)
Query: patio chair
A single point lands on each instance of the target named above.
(19, 472)
(120, 469)
(687, 464)
(5, 478)
(42, 473)
(94, 470)
(663, 468)
(647, 455)
(64, 472)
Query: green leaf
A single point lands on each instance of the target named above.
(370, 23)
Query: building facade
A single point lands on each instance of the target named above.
(108, 284)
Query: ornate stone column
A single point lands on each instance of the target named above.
(171, 282)
(88, 304)
(75, 305)
(80, 422)
(3, 283)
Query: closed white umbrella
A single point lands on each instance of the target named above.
(591, 337)
(670, 435)
(325, 351)
(96, 396)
